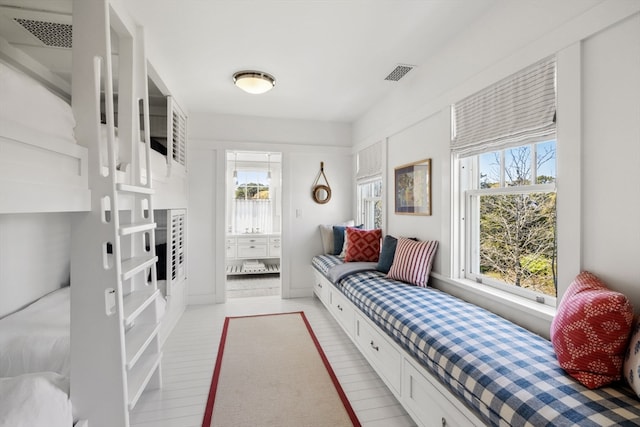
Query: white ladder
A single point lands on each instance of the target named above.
(115, 311)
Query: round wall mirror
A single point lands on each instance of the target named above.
(321, 194)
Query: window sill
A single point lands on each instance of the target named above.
(527, 313)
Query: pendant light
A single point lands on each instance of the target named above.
(269, 168)
(235, 168)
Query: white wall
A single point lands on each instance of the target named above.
(303, 144)
(303, 240)
(201, 214)
(596, 42)
(417, 142)
(611, 156)
(34, 257)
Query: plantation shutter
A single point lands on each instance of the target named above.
(517, 110)
(369, 161)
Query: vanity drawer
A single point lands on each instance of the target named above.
(252, 250)
(252, 240)
(274, 249)
(386, 359)
(230, 250)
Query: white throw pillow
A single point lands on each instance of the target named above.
(326, 234)
(631, 367)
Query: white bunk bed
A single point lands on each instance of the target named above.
(35, 363)
(50, 161)
(42, 169)
(168, 168)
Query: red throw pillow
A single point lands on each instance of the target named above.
(363, 245)
(591, 330)
(412, 261)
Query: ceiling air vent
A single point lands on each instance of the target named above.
(399, 72)
(50, 33)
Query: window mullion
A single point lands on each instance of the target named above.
(523, 189)
(502, 171)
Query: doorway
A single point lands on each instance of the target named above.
(253, 221)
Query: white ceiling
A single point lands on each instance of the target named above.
(329, 57)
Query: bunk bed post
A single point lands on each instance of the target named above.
(115, 350)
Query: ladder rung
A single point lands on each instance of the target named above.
(134, 303)
(134, 189)
(134, 265)
(125, 230)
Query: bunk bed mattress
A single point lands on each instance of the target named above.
(37, 338)
(510, 376)
(40, 399)
(26, 105)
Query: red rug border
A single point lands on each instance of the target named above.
(208, 414)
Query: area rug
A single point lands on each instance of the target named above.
(271, 371)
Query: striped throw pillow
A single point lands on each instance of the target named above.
(631, 365)
(412, 261)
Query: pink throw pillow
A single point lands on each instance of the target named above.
(412, 261)
(591, 330)
(362, 245)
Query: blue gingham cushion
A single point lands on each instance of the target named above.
(323, 263)
(506, 374)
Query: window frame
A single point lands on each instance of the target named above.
(468, 186)
(360, 199)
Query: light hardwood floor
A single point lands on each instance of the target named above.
(190, 353)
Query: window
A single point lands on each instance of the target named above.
(369, 185)
(370, 203)
(252, 211)
(510, 219)
(504, 141)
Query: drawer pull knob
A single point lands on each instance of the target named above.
(373, 346)
(320, 285)
(339, 307)
(252, 247)
(444, 422)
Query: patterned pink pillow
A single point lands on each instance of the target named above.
(362, 245)
(412, 261)
(591, 330)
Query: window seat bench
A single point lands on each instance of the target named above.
(450, 362)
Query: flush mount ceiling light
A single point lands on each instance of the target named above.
(255, 82)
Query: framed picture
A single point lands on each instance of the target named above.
(413, 188)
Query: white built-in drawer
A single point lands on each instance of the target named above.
(342, 310)
(429, 406)
(381, 354)
(274, 250)
(252, 250)
(230, 250)
(230, 247)
(252, 240)
(321, 287)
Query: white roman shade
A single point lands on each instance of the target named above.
(517, 110)
(369, 161)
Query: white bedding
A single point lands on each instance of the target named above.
(36, 338)
(26, 104)
(35, 400)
